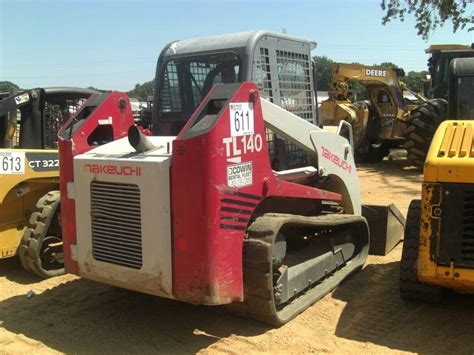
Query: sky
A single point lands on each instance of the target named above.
(114, 44)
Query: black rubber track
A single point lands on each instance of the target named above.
(423, 122)
(259, 300)
(41, 221)
(410, 287)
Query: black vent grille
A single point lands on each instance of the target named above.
(468, 228)
(116, 224)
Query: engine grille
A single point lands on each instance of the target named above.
(116, 224)
(468, 228)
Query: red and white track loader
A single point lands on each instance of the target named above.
(202, 215)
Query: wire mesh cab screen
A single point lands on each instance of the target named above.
(283, 73)
(55, 113)
(48, 110)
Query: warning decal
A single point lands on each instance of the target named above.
(239, 175)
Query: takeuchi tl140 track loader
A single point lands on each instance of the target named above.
(198, 211)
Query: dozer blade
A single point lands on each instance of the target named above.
(292, 261)
(386, 224)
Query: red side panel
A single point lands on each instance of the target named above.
(218, 177)
(110, 112)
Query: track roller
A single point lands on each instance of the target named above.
(292, 261)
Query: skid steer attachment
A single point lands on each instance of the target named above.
(386, 225)
(203, 218)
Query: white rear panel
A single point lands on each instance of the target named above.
(123, 216)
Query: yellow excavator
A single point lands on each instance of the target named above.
(438, 248)
(29, 175)
(377, 123)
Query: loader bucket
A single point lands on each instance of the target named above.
(386, 224)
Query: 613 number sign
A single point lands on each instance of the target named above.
(12, 162)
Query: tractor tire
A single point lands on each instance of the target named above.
(41, 246)
(423, 122)
(410, 287)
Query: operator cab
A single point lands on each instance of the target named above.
(186, 81)
(439, 66)
(461, 104)
(31, 119)
(279, 64)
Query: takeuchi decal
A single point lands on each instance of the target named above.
(113, 170)
(336, 159)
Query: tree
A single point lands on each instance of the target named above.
(387, 65)
(323, 72)
(142, 91)
(429, 14)
(7, 86)
(414, 80)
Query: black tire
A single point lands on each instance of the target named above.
(410, 287)
(41, 246)
(423, 122)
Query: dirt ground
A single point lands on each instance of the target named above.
(365, 314)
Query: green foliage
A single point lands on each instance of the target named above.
(323, 72)
(429, 14)
(359, 91)
(142, 91)
(7, 86)
(414, 80)
(387, 65)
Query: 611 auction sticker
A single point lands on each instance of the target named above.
(239, 175)
(12, 162)
(241, 118)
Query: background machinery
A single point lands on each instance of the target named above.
(233, 200)
(377, 123)
(29, 169)
(438, 249)
(441, 56)
(425, 119)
